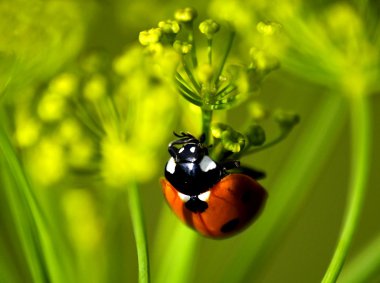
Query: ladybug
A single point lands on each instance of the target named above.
(204, 194)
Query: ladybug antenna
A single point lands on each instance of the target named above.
(180, 135)
(183, 139)
(184, 135)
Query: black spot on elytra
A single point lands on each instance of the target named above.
(246, 197)
(230, 225)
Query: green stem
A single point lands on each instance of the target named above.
(184, 84)
(229, 46)
(22, 216)
(206, 124)
(273, 142)
(39, 241)
(218, 150)
(360, 160)
(174, 252)
(291, 186)
(190, 75)
(209, 51)
(139, 232)
(193, 48)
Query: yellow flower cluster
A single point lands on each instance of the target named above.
(87, 121)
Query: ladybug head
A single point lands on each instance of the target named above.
(187, 148)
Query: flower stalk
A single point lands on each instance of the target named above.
(215, 84)
(226, 53)
(135, 207)
(360, 162)
(206, 124)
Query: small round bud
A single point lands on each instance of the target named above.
(217, 129)
(268, 28)
(262, 60)
(232, 141)
(155, 48)
(169, 27)
(95, 88)
(256, 135)
(286, 120)
(209, 28)
(182, 47)
(185, 15)
(151, 36)
(65, 84)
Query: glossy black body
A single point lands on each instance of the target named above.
(194, 172)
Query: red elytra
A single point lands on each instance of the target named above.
(234, 202)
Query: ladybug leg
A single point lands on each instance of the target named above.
(202, 138)
(231, 164)
(253, 173)
(234, 167)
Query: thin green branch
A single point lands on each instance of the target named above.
(188, 91)
(206, 124)
(113, 112)
(209, 51)
(139, 232)
(229, 46)
(271, 143)
(360, 160)
(39, 242)
(190, 98)
(190, 75)
(182, 81)
(20, 215)
(193, 47)
(82, 113)
(174, 266)
(184, 88)
(226, 90)
(226, 102)
(231, 95)
(291, 185)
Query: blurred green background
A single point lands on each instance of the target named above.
(85, 117)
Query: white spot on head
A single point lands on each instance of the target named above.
(204, 196)
(207, 164)
(170, 166)
(192, 149)
(183, 197)
(181, 149)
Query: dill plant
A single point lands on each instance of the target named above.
(334, 45)
(214, 84)
(208, 78)
(344, 36)
(74, 143)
